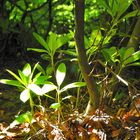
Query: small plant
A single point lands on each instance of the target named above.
(51, 46)
(60, 76)
(24, 81)
(31, 83)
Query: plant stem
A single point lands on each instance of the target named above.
(31, 104)
(58, 100)
(52, 64)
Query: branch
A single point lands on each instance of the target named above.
(29, 11)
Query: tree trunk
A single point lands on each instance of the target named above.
(82, 58)
(135, 37)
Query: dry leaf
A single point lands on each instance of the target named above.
(94, 137)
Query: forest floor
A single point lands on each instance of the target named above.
(10, 105)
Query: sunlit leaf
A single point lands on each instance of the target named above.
(128, 53)
(122, 80)
(134, 64)
(52, 42)
(67, 97)
(11, 82)
(26, 117)
(133, 58)
(60, 73)
(48, 87)
(27, 70)
(36, 77)
(55, 105)
(41, 80)
(32, 72)
(13, 74)
(69, 52)
(63, 39)
(37, 50)
(23, 77)
(25, 95)
(73, 85)
(35, 88)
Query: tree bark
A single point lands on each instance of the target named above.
(82, 58)
(135, 37)
(50, 18)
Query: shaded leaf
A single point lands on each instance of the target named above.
(41, 40)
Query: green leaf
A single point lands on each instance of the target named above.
(23, 77)
(132, 14)
(69, 52)
(60, 74)
(123, 6)
(63, 39)
(73, 85)
(122, 52)
(11, 82)
(49, 70)
(45, 57)
(41, 40)
(37, 50)
(25, 95)
(36, 77)
(18, 78)
(115, 7)
(52, 42)
(131, 59)
(41, 69)
(26, 117)
(128, 53)
(41, 80)
(32, 72)
(110, 54)
(67, 97)
(134, 64)
(55, 105)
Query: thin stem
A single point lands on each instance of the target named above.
(59, 102)
(52, 64)
(31, 104)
